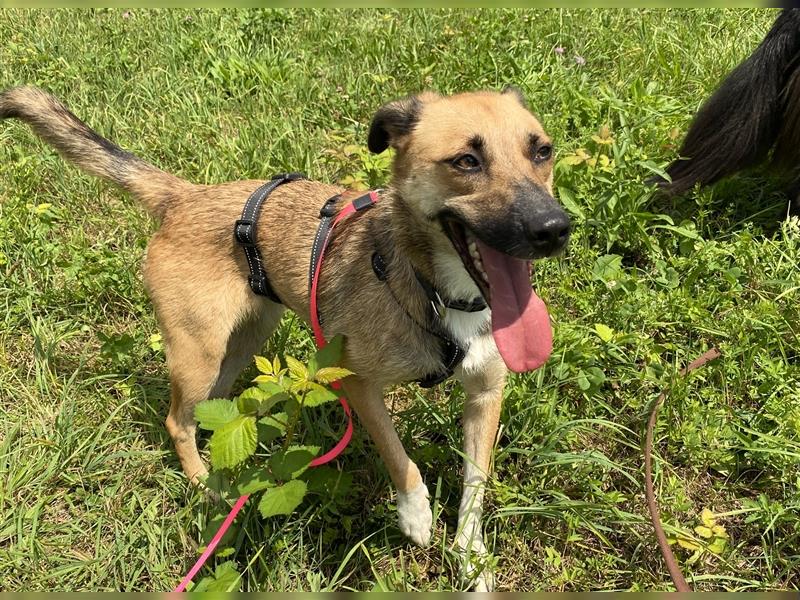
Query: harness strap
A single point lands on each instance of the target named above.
(452, 355)
(244, 231)
(328, 221)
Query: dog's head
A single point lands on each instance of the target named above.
(479, 168)
(481, 165)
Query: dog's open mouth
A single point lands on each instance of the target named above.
(520, 322)
(466, 246)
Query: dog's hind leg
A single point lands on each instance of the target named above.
(211, 322)
(481, 417)
(204, 363)
(413, 507)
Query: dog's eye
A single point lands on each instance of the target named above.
(467, 162)
(543, 154)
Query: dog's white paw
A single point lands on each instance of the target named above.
(414, 515)
(484, 582)
(476, 564)
(476, 569)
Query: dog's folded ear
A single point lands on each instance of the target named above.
(393, 121)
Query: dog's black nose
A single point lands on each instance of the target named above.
(548, 233)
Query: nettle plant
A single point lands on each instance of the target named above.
(252, 447)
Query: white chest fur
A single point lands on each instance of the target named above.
(471, 330)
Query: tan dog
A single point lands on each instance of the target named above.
(469, 205)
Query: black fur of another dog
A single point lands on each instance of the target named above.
(752, 117)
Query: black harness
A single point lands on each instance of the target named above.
(244, 231)
(245, 234)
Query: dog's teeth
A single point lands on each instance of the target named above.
(479, 267)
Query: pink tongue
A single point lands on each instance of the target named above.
(520, 323)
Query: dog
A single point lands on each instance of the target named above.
(468, 207)
(755, 110)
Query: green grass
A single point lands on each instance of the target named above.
(91, 494)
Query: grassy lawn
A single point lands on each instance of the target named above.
(91, 493)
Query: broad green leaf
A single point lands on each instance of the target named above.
(583, 381)
(276, 365)
(264, 366)
(267, 405)
(260, 398)
(290, 463)
(213, 414)
(254, 479)
(718, 545)
(248, 402)
(595, 375)
(271, 427)
(298, 387)
(225, 579)
(327, 481)
(254, 392)
(329, 356)
(567, 198)
(604, 331)
(572, 160)
(703, 531)
(297, 369)
(319, 395)
(218, 483)
(282, 500)
(213, 524)
(275, 420)
(707, 517)
(719, 531)
(329, 374)
(687, 543)
(234, 442)
(270, 388)
(607, 268)
(262, 379)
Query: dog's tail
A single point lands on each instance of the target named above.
(78, 143)
(736, 127)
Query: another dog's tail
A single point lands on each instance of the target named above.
(755, 107)
(78, 143)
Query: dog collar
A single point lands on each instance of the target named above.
(450, 351)
(437, 303)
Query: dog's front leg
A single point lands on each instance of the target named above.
(413, 507)
(481, 417)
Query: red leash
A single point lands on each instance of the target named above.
(355, 206)
(649, 491)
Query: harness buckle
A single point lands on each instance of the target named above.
(244, 232)
(328, 209)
